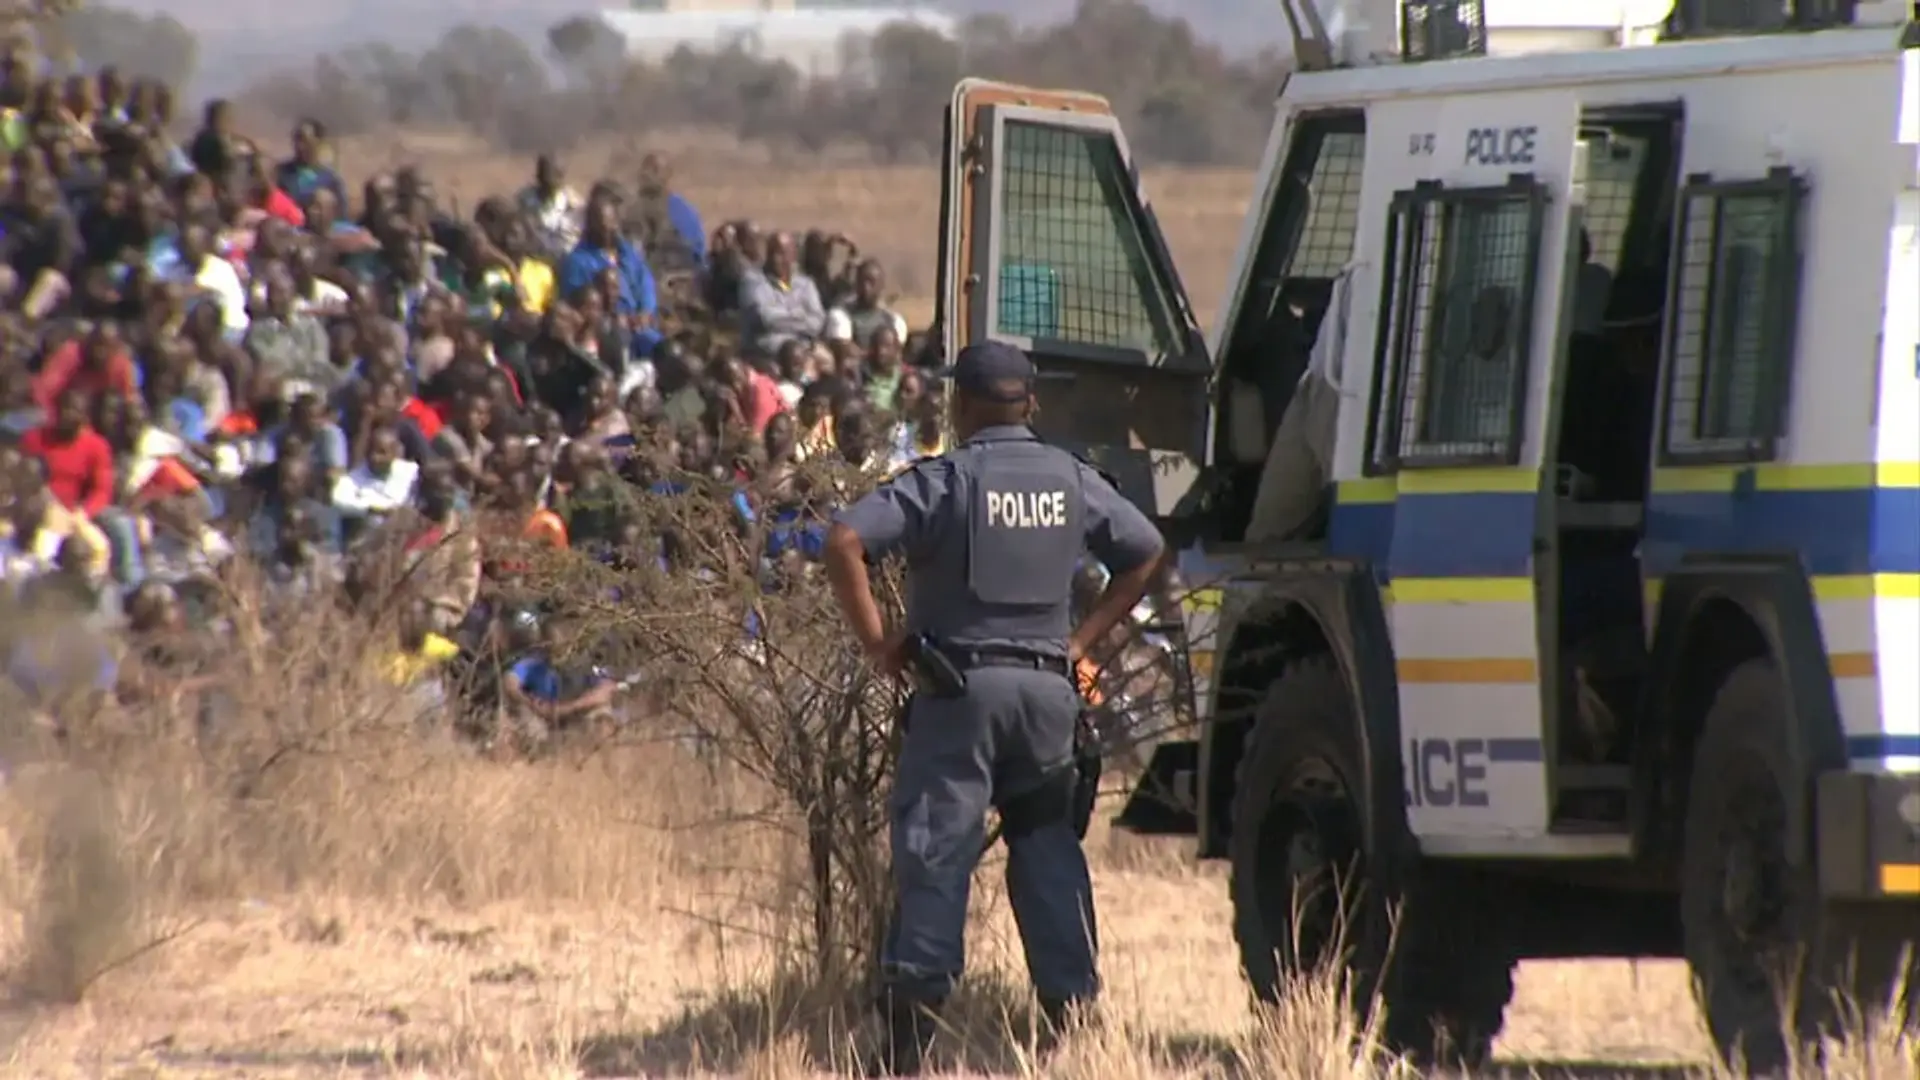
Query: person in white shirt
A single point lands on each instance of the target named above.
(553, 207)
(215, 277)
(314, 294)
(381, 484)
(865, 314)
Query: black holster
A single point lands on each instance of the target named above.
(1086, 769)
(934, 671)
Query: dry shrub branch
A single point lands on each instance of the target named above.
(733, 637)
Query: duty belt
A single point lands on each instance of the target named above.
(966, 658)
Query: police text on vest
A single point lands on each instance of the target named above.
(1027, 509)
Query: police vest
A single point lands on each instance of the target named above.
(1005, 572)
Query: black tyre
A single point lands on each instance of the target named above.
(1771, 962)
(1306, 894)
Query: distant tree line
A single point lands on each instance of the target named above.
(87, 37)
(1182, 100)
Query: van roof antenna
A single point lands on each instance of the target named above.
(1312, 51)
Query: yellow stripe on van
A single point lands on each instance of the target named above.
(1867, 587)
(1900, 879)
(1675, 479)
(1385, 489)
(1491, 590)
(1839, 587)
(1522, 670)
(1774, 476)
(1468, 481)
(1853, 665)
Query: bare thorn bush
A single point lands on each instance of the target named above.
(739, 639)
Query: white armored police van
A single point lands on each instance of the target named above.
(1549, 487)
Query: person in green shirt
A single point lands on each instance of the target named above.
(14, 130)
(884, 357)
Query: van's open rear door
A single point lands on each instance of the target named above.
(1050, 245)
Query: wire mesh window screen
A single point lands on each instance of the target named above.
(1442, 29)
(1458, 326)
(1735, 296)
(1613, 171)
(1072, 262)
(1333, 216)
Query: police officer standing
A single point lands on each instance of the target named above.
(991, 532)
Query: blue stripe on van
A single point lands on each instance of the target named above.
(1521, 751)
(1875, 747)
(1835, 532)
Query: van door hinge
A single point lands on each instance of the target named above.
(974, 154)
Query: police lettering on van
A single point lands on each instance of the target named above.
(1501, 146)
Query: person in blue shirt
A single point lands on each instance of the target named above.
(304, 173)
(663, 218)
(602, 248)
(737, 499)
(535, 689)
(797, 529)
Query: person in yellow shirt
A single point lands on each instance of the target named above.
(529, 283)
(36, 524)
(814, 418)
(421, 652)
(536, 284)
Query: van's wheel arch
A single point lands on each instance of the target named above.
(1753, 918)
(1417, 935)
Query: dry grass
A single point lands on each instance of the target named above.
(322, 894)
(890, 211)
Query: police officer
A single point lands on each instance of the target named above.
(991, 533)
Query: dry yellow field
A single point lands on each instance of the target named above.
(426, 914)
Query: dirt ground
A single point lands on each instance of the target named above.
(317, 987)
(383, 905)
(652, 976)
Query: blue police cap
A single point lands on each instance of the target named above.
(991, 370)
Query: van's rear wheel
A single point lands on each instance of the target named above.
(1770, 957)
(1306, 893)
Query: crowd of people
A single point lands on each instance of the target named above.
(214, 355)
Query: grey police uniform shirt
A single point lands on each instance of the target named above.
(991, 533)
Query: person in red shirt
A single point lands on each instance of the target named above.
(79, 462)
(95, 364)
(758, 395)
(265, 195)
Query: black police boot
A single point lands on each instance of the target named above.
(908, 1028)
(1064, 1015)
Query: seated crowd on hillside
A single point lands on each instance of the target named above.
(218, 354)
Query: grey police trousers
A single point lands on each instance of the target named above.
(1002, 740)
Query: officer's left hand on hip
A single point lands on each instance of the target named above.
(889, 658)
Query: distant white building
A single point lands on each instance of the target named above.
(810, 36)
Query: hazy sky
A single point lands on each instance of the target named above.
(243, 38)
